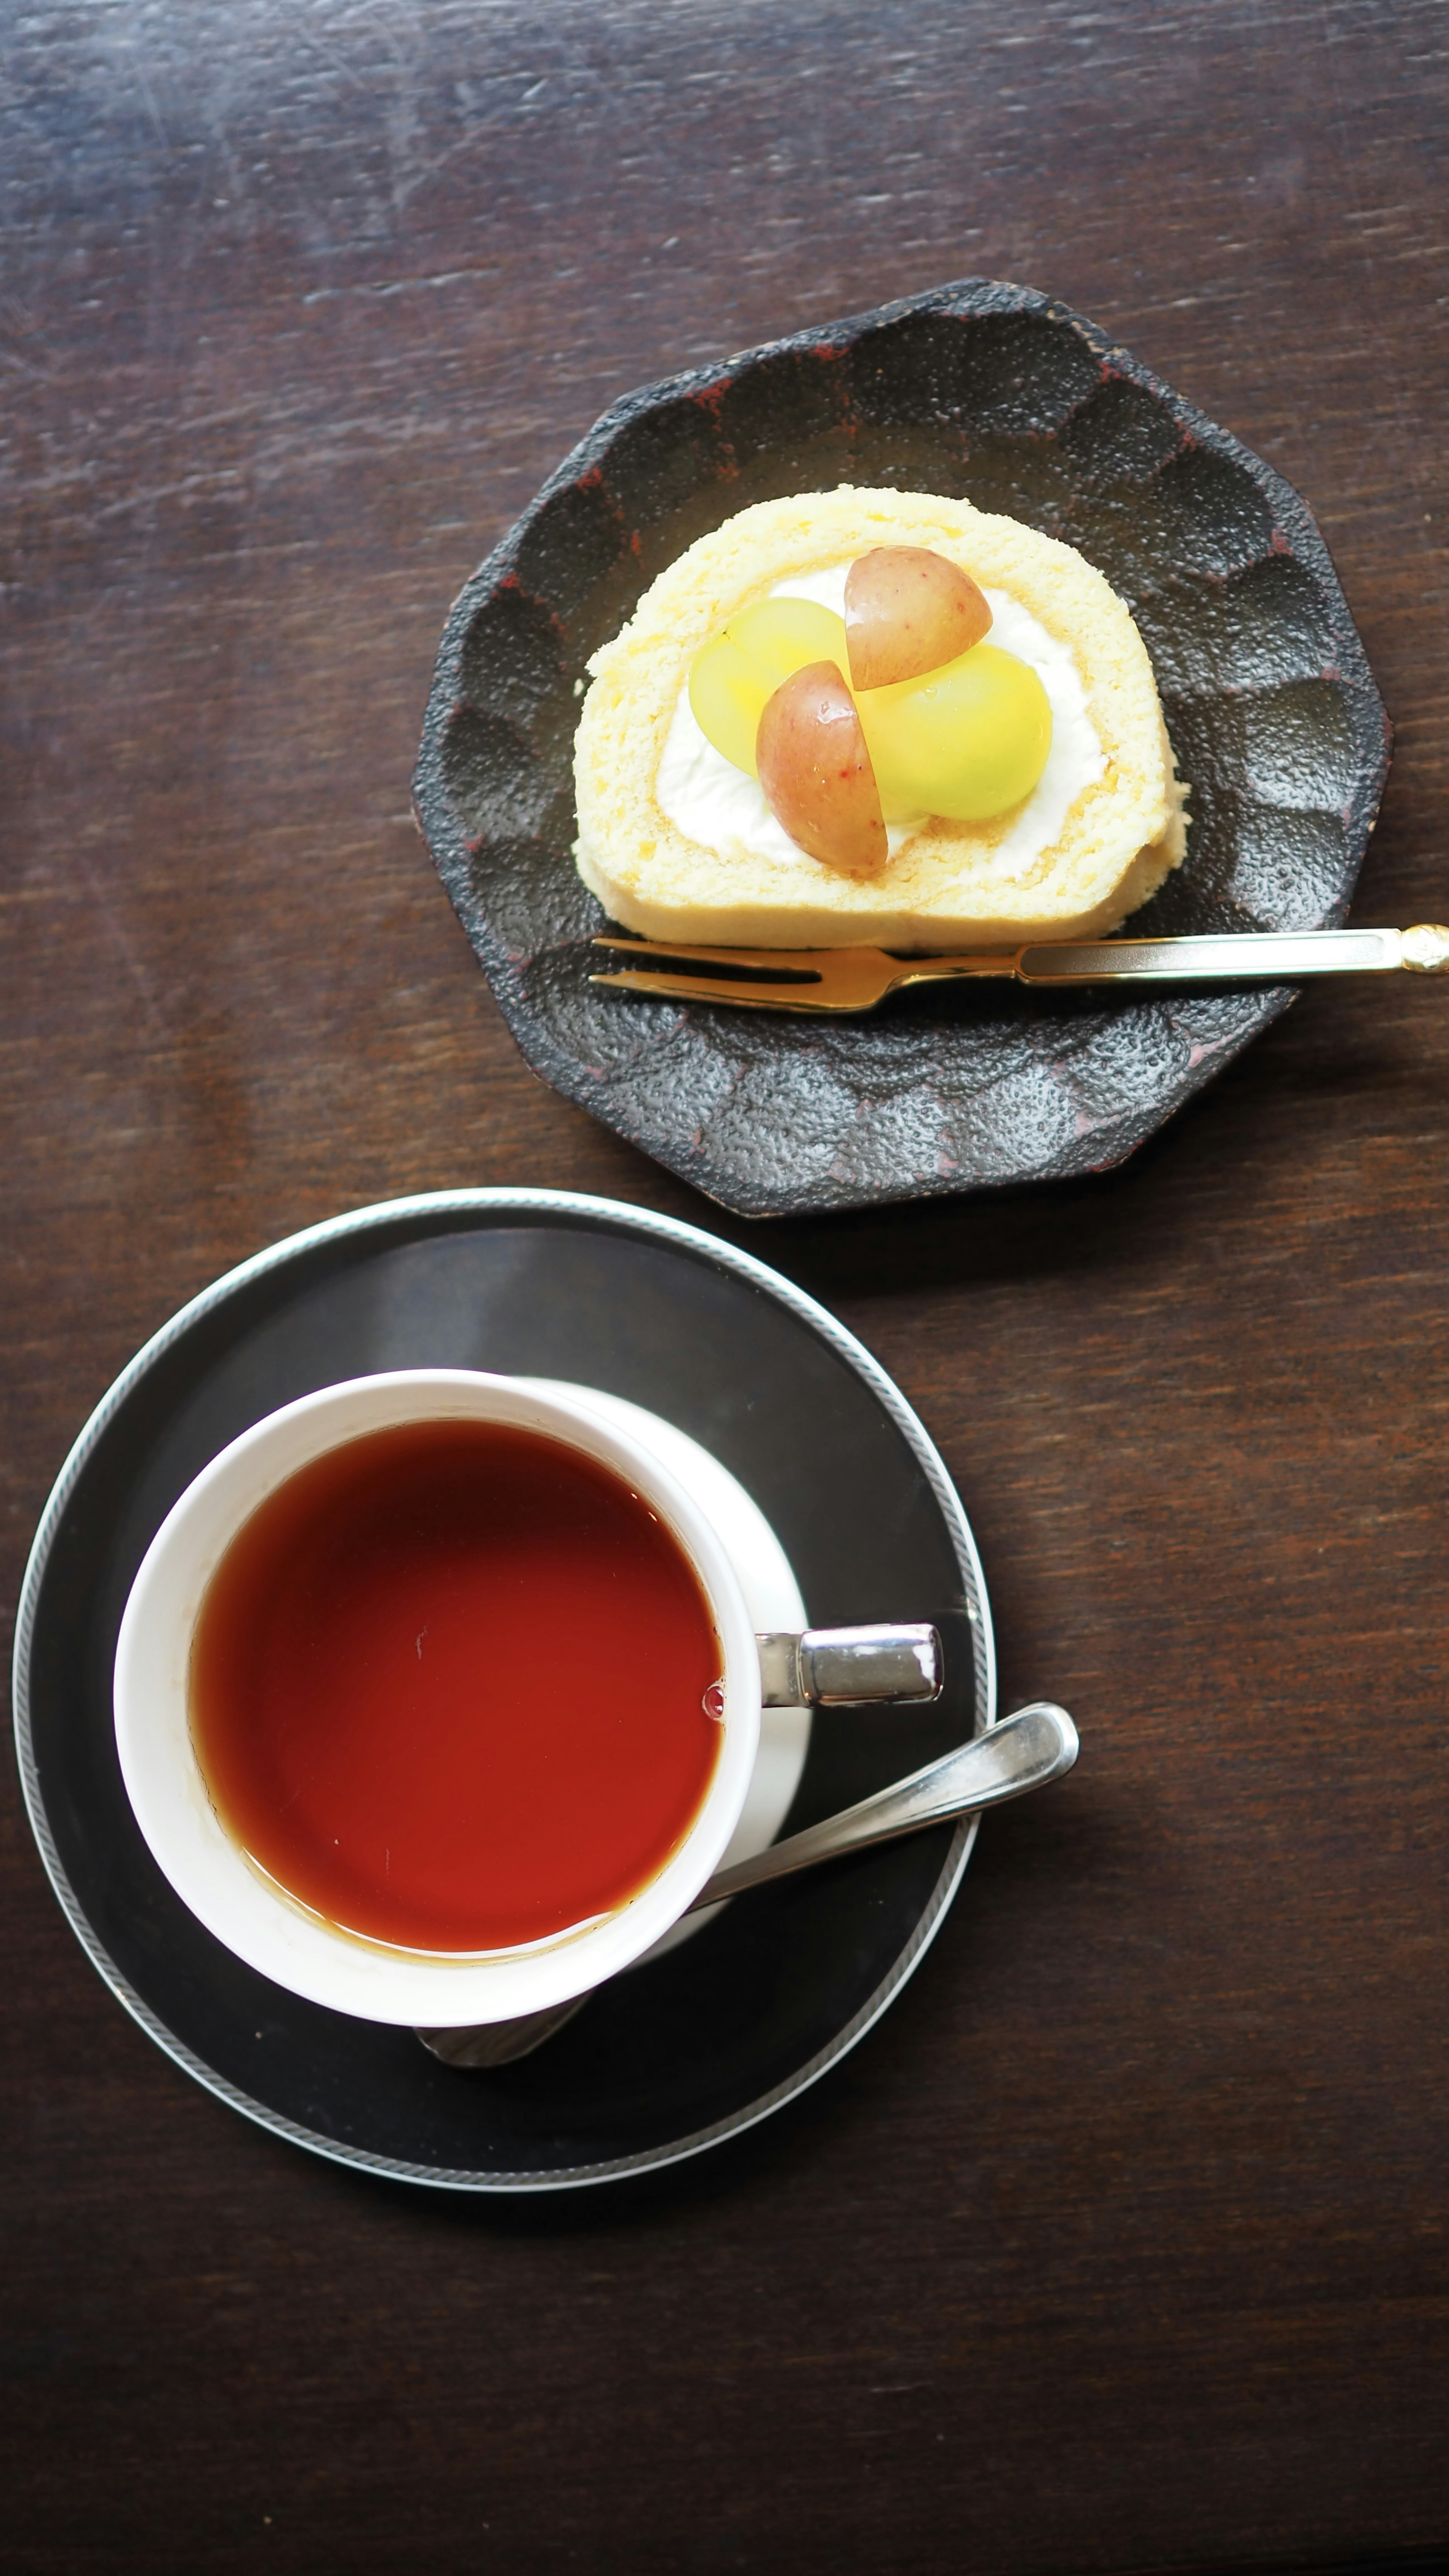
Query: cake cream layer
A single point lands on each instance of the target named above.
(1072, 869)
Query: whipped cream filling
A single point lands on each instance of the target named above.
(724, 808)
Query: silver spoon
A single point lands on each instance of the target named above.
(1025, 1751)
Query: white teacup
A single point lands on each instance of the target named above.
(248, 1911)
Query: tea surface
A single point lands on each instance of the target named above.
(447, 1687)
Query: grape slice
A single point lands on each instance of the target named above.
(907, 611)
(816, 771)
(740, 667)
(968, 742)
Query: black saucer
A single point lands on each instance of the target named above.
(675, 2055)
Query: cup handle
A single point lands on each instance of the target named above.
(830, 1667)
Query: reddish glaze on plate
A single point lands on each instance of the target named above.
(448, 1685)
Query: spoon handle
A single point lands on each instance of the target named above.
(1026, 1750)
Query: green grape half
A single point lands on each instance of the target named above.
(743, 665)
(968, 741)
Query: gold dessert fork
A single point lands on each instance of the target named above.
(855, 979)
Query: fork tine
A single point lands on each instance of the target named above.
(713, 988)
(780, 960)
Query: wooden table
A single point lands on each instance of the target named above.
(1120, 2244)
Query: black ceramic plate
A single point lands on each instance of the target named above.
(675, 2055)
(1014, 402)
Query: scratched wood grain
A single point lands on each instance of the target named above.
(1120, 2244)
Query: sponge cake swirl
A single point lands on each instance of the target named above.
(949, 885)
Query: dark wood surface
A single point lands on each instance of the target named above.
(1120, 2244)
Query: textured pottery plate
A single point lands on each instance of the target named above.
(996, 394)
(687, 2049)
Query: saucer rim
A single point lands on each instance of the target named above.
(612, 1213)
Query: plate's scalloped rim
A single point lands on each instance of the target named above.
(617, 1214)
